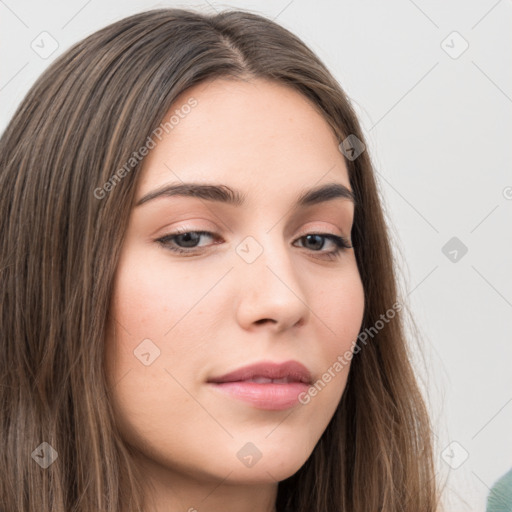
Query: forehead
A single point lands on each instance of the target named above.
(250, 134)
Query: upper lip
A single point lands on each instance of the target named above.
(292, 370)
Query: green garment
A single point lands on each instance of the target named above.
(500, 497)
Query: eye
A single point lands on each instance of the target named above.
(187, 242)
(340, 244)
(183, 242)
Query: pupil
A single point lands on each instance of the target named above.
(318, 239)
(189, 239)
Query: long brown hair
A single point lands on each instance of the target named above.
(81, 121)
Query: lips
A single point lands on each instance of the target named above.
(268, 372)
(267, 385)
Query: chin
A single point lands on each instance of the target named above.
(275, 463)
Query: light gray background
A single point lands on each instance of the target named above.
(439, 130)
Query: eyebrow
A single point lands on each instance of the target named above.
(225, 194)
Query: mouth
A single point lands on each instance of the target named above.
(266, 372)
(265, 385)
(265, 380)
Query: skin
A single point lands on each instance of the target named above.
(213, 312)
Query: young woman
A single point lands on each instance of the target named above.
(199, 307)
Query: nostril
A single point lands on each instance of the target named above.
(263, 320)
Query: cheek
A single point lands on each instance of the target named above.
(339, 308)
(156, 308)
(145, 338)
(337, 313)
(150, 295)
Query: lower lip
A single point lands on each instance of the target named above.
(272, 397)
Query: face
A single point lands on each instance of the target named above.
(206, 286)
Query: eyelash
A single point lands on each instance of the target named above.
(341, 242)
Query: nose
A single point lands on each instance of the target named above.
(269, 289)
